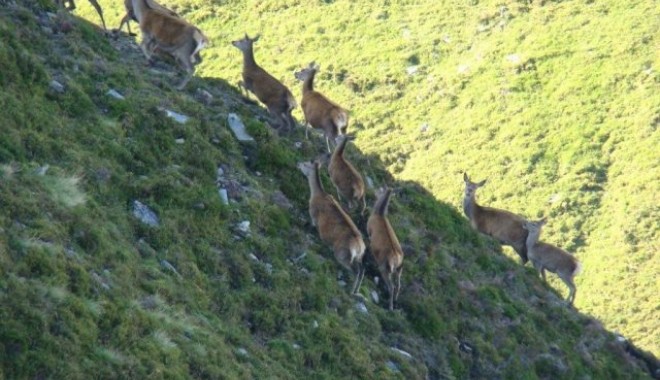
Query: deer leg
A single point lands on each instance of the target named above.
(99, 10)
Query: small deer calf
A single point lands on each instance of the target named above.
(547, 256)
(384, 244)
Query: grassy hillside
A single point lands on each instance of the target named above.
(556, 103)
(86, 288)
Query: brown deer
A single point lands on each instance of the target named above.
(271, 92)
(320, 112)
(502, 225)
(130, 14)
(345, 177)
(169, 34)
(334, 226)
(384, 245)
(547, 256)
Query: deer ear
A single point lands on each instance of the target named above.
(256, 38)
(481, 183)
(465, 177)
(543, 221)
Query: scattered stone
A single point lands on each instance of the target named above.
(362, 308)
(244, 227)
(370, 182)
(103, 174)
(253, 257)
(302, 256)
(41, 171)
(204, 96)
(281, 200)
(392, 366)
(223, 196)
(401, 352)
(463, 69)
(315, 324)
(424, 128)
(296, 346)
(144, 249)
(179, 118)
(180, 141)
(242, 351)
(166, 264)
(113, 93)
(220, 172)
(100, 281)
(269, 268)
(144, 214)
(237, 126)
(374, 296)
(297, 145)
(412, 70)
(149, 303)
(341, 283)
(56, 86)
(467, 285)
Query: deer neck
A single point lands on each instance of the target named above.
(339, 150)
(470, 206)
(315, 186)
(532, 238)
(308, 84)
(382, 204)
(248, 58)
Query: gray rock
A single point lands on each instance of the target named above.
(281, 200)
(114, 94)
(370, 182)
(180, 141)
(244, 227)
(144, 214)
(224, 197)
(237, 126)
(401, 352)
(374, 296)
(42, 170)
(56, 86)
(204, 96)
(362, 308)
(166, 264)
(392, 366)
(179, 118)
(242, 351)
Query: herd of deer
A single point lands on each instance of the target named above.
(163, 30)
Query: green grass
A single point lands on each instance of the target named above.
(565, 130)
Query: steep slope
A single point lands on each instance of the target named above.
(556, 102)
(88, 289)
